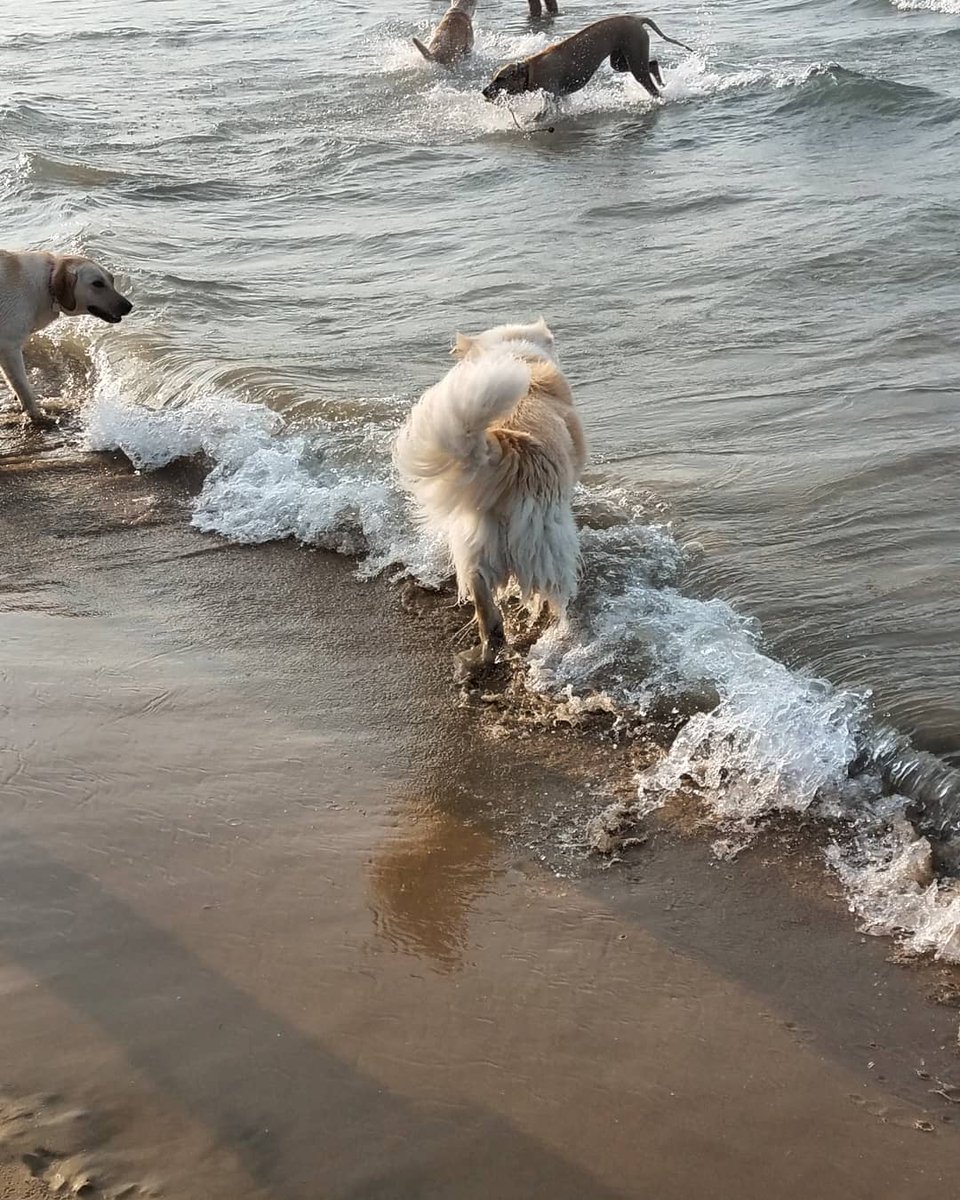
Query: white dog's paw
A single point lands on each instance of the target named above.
(40, 420)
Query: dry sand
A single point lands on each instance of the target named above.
(278, 920)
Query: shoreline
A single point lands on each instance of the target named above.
(269, 895)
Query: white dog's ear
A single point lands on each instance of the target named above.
(545, 330)
(462, 345)
(63, 285)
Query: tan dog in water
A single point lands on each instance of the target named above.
(452, 39)
(492, 453)
(35, 288)
(569, 65)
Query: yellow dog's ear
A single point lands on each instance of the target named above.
(461, 346)
(64, 285)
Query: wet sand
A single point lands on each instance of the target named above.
(277, 919)
(16, 1183)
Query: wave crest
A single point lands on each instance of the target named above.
(838, 90)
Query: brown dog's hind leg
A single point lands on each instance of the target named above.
(635, 52)
(640, 70)
(536, 10)
(620, 62)
(647, 80)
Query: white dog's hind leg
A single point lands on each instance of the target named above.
(15, 373)
(490, 623)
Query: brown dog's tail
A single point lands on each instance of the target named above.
(659, 32)
(426, 53)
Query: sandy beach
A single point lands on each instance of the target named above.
(284, 913)
(279, 919)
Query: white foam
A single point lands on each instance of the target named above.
(771, 740)
(693, 77)
(888, 874)
(777, 741)
(950, 7)
(333, 490)
(226, 429)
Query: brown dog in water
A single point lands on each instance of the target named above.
(452, 39)
(569, 65)
(536, 9)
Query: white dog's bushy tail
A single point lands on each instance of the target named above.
(447, 428)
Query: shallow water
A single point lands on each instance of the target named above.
(753, 284)
(279, 920)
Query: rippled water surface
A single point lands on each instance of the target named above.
(754, 286)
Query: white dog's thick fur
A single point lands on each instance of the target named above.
(35, 288)
(492, 453)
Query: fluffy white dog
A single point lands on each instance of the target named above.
(492, 453)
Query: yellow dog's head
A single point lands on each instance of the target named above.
(80, 286)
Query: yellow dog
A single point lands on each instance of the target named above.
(452, 39)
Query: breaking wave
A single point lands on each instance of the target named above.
(950, 7)
(759, 739)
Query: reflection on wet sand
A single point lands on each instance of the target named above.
(427, 878)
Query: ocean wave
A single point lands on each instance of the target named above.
(29, 39)
(332, 489)
(949, 7)
(755, 739)
(888, 871)
(769, 739)
(837, 89)
(35, 167)
(31, 115)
